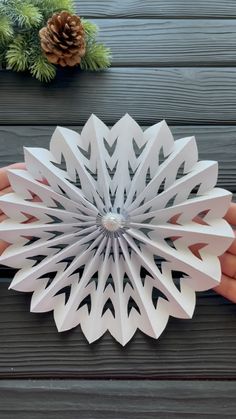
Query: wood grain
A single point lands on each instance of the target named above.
(160, 42)
(214, 143)
(172, 42)
(117, 399)
(160, 8)
(174, 60)
(203, 347)
(180, 95)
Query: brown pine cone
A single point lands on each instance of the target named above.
(63, 39)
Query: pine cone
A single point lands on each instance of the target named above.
(63, 39)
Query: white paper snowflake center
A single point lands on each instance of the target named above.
(116, 215)
(113, 221)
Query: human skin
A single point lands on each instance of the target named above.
(227, 286)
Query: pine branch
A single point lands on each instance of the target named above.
(97, 57)
(48, 7)
(24, 13)
(2, 58)
(41, 69)
(90, 28)
(6, 29)
(17, 55)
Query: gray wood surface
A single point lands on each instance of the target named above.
(214, 143)
(172, 42)
(200, 348)
(160, 42)
(117, 399)
(180, 95)
(157, 8)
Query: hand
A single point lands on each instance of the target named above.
(227, 287)
(4, 189)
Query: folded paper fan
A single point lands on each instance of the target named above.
(126, 226)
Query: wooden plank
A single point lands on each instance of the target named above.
(222, 137)
(117, 399)
(160, 8)
(155, 42)
(176, 42)
(180, 95)
(203, 347)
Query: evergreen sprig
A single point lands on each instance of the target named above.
(48, 7)
(97, 57)
(25, 14)
(90, 28)
(17, 55)
(20, 49)
(41, 69)
(6, 29)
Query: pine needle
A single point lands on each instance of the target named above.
(6, 29)
(48, 7)
(26, 14)
(90, 28)
(42, 70)
(97, 57)
(17, 56)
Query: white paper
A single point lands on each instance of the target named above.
(100, 241)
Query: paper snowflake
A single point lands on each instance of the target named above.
(128, 225)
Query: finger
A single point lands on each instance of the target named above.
(232, 248)
(3, 246)
(4, 192)
(230, 215)
(228, 264)
(30, 219)
(4, 181)
(35, 198)
(3, 217)
(227, 288)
